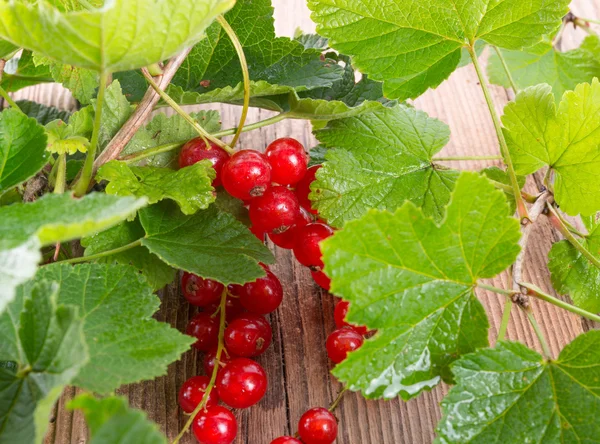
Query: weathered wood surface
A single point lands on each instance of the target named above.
(296, 363)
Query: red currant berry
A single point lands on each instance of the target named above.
(321, 279)
(341, 342)
(215, 425)
(205, 329)
(339, 315)
(233, 308)
(307, 249)
(246, 174)
(275, 211)
(303, 188)
(248, 336)
(263, 295)
(192, 392)
(241, 383)
(288, 238)
(199, 291)
(286, 440)
(288, 160)
(318, 426)
(209, 360)
(196, 150)
(258, 232)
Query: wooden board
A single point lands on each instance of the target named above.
(296, 362)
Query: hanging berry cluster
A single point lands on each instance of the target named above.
(275, 188)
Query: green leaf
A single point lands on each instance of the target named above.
(499, 175)
(116, 304)
(312, 41)
(509, 393)
(25, 227)
(211, 244)
(226, 202)
(42, 113)
(543, 64)
(413, 281)
(60, 141)
(108, 44)
(319, 109)
(22, 148)
(317, 155)
(565, 138)
(82, 83)
(157, 273)
(190, 187)
(379, 160)
(415, 45)
(44, 346)
(111, 421)
(574, 274)
(115, 112)
(21, 72)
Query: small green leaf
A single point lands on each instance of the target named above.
(22, 72)
(499, 175)
(226, 202)
(190, 187)
(61, 142)
(109, 45)
(510, 394)
(413, 281)
(379, 160)
(42, 113)
(115, 112)
(317, 155)
(44, 346)
(111, 421)
(116, 304)
(82, 83)
(22, 148)
(565, 138)
(211, 244)
(312, 41)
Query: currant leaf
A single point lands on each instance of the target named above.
(112, 421)
(499, 175)
(42, 113)
(115, 112)
(379, 160)
(82, 82)
(415, 45)
(116, 305)
(226, 202)
(312, 41)
(509, 393)
(565, 138)
(413, 281)
(21, 72)
(210, 244)
(108, 45)
(41, 350)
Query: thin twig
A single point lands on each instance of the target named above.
(511, 81)
(536, 292)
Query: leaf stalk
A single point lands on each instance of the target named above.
(509, 76)
(532, 290)
(106, 253)
(9, 99)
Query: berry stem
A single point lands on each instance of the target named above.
(595, 21)
(505, 319)
(61, 174)
(516, 189)
(136, 157)
(528, 197)
(496, 289)
(92, 257)
(213, 376)
(506, 70)
(252, 126)
(246, 75)
(338, 399)
(453, 158)
(9, 99)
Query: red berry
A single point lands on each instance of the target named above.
(192, 392)
(246, 174)
(196, 150)
(248, 336)
(209, 360)
(199, 291)
(321, 279)
(318, 426)
(341, 342)
(286, 440)
(258, 232)
(233, 308)
(288, 160)
(215, 425)
(275, 211)
(307, 249)
(263, 295)
(339, 315)
(303, 188)
(205, 329)
(288, 237)
(241, 383)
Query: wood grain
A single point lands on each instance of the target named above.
(296, 362)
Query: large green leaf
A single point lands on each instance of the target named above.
(565, 138)
(116, 304)
(25, 227)
(413, 45)
(210, 243)
(543, 64)
(379, 160)
(22, 148)
(510, 394)
(413, 281)
(80, 81)
(122, 35)
(41, 350)
(111, 421)
(42, 113)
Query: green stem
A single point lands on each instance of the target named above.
(581, 24)
(568, 225)
(252, 126)
(496, 289)
(506, 70)
(338, 399)
(203, 133)
(61, 174)
(453, 158)
(136, 157)
(10, 77)
(245, 74)
(81, 186)
(528, 197)
(534, 291)
(595, 21)
(539, 334)
(92, 257)
(213, 377)
(505, 319)
(516, 189)
(8, 99)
